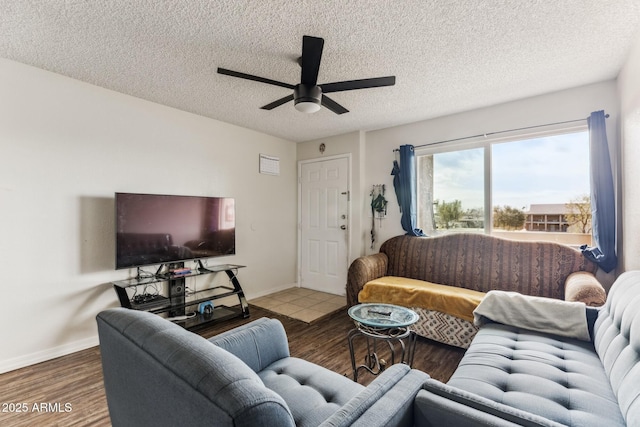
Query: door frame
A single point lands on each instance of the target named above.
(349, 209)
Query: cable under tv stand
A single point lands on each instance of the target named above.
(175, 304)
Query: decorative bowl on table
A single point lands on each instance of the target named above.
(383, 315)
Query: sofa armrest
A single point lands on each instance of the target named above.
(258, 343)
(439, 404)
(363, 270)
(583, 287)
(387, 401)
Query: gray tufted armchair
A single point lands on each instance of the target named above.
(158, 374)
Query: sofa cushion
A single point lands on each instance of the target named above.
(458, 302)
(312, 392)
(258, 343)
(559, 378)
(483, 263)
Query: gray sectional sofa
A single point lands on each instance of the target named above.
(512, 376)
(159, 374)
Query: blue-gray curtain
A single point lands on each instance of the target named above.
(603, 209)
(404, 182)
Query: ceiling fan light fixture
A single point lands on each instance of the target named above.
(307, 99)
(307, 106)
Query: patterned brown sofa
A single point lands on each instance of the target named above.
(469, 264)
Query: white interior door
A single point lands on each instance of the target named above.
(324, 234)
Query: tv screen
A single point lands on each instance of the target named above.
(158, 229)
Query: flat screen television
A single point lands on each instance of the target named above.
(160, 229)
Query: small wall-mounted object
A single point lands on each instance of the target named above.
(322, 148)
(378, 209)
(269, 165)
(378, 201)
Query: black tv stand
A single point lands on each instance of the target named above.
(174, 303)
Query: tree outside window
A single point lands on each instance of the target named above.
(579, 214)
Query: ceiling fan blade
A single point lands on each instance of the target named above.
(278, 103)
(358, 84)
(311, 56)
(254, 78)
(333, 105)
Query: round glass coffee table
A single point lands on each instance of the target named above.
(387, 323)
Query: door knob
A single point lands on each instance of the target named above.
(343, 227)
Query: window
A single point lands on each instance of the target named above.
(536, 188)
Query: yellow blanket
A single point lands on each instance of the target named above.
(458, 302)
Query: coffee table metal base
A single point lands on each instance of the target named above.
(394, 337)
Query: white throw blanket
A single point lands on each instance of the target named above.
(553, 316)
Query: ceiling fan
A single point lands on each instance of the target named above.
(308, 95)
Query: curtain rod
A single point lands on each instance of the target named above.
(498, 132)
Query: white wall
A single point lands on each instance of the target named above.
(375, 148)
(629, 90)
(66, 147)
(570, 104)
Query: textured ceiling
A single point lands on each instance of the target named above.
(447, 56)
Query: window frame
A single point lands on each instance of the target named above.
(485, 142)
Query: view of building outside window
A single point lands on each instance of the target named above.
(539, 190)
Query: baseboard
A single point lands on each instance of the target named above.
(63, 350)
(48, 354)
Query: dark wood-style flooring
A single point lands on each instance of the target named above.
(69, 391)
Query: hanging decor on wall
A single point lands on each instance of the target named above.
(378, 209)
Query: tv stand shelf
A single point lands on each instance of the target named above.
(174, 306)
